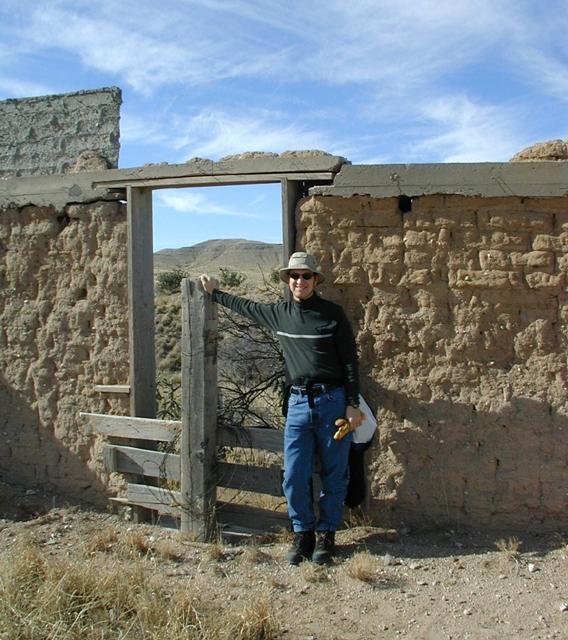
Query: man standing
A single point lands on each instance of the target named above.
(321, 359)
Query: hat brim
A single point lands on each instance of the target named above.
(285, 271)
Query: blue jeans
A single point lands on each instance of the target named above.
(309, 431)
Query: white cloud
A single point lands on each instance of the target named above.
(407, 53)
(194, 203)
(547, 71)
(214, 134)
(137, 128)
(200, 41)
(463, 131)
(12, 88)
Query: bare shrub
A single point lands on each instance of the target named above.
(216, 552)
(510, 547)
(255, 555)
(255, 622)
(363, 566)
(314, 573)
(102, 540)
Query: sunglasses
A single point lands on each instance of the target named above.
(297, 276)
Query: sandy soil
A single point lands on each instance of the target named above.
(383, 584)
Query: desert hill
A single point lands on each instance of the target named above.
(250, 257)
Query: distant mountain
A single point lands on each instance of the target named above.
(246, 256)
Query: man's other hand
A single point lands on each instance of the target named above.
(355, 417)
(208, 283)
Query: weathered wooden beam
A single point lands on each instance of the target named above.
(141, 303)
(199, 410)
(218, 180)
(280, 165)
(129, 427)
(290, 197)
(144, 462)
(160, 500)
(228, 514)
(242, 515)
(251, 437)
(112, 388)
(485, 179)
(245, 477)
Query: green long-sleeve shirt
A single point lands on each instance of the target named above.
(315, 335)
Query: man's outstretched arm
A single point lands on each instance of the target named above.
(263, 314)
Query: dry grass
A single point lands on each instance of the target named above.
(254, 555)
(104, 540)
(363, 566)
(216, 552)
(283, 536)
(103, 598)
(256, 622)
(131, 545)
(314, 573)
(357, 518)
(510, 547)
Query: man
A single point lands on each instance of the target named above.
(321, 359)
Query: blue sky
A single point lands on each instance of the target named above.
(375, 81)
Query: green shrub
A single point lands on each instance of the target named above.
(170, 281)
(231, 279)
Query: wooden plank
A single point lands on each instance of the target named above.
(218, 180)
(141, 303)
(129, 427)
(282, 165)
(199, 410)
(242, 515)
(160, 500)
(290, 197)
(485, 179)
(266, 480)
(112, 388)
(144, 462)
(251, 438)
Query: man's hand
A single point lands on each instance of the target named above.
(355, 417)
(208, 283)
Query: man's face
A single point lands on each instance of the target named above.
(301, 288)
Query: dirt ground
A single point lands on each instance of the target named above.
(383, 584)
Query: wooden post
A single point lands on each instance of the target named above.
(141, 303)
(290, 197)
(142, 361)
(199, 411)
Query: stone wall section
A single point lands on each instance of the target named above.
(63, 327)
(460, 311)
(47, 135)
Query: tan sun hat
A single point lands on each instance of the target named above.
(300, 260)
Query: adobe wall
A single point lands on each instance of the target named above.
(63, 327)
(48, 134)
(460, 309)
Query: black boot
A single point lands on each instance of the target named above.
(302, 547)
(325, 547)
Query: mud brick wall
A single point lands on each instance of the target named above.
(460, 311)
(47, 134)
(63, 327)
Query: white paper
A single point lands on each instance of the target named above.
(365, 432)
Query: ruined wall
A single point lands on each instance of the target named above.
(46, 135)
(63, 327)
(460, 310)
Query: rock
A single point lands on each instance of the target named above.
(249, 155)
(532, 568)
(543, 151)
(89, 161)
